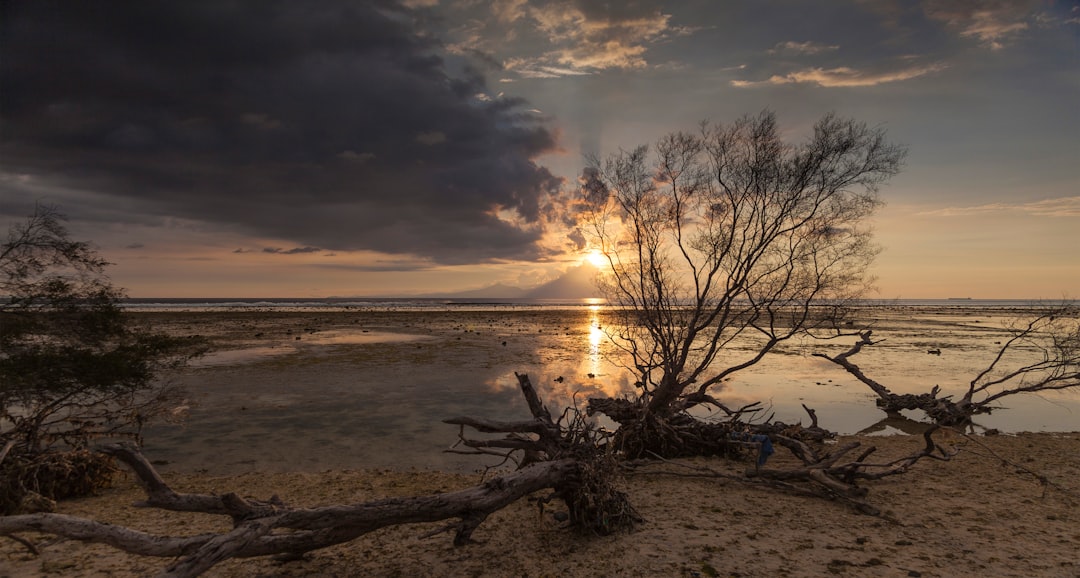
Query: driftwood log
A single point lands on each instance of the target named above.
(591, 496)
(832, 474)
(308, 528)
(827, 470)
(943, 410)
(1039, 355)
(559, 461)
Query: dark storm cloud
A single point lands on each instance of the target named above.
(330, 124)
(293, 251)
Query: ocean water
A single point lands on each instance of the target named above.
(315, 385)
(482, 304)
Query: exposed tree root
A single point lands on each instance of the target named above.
(826, 471)
(593, 500)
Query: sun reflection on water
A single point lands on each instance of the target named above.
(596, 338)
(577, 362)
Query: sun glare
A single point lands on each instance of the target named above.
(596, 258)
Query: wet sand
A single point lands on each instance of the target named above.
(339, 407)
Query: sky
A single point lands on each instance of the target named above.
(379, 148)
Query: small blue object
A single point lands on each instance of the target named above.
(766, 444)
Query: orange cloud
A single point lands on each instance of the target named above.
(993, 23)
(585, 42)
(1059, 207)
(842, 77)
(792, 47)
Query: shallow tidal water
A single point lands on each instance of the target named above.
(363, 389)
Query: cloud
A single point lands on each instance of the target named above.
(791, 47)
(842, 77)
(595, 36)
(379, 266)
(994, 23)
(509, 10)
(1058, 207)
(532, 68)
(1074, 16)
(563, 38)
(431, 138)
(325, 123)
(293, 251)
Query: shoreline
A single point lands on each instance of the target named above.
(1005, 525)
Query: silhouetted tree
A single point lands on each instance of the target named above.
(72, 368)
(732, 237)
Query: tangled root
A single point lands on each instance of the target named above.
(594, 501)
(33, 482)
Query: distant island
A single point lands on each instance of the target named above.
(577, 283)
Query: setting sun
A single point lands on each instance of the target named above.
(596, 259)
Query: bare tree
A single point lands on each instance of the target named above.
(732, 236)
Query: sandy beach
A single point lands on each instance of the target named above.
(340, 407)
(972, 516)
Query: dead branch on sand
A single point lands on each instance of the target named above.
(1039, 355)
(559, 461)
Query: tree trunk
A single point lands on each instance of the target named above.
(311, 528)
(569, 461)
(942, 410)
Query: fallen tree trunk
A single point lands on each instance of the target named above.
(594, 503)
(310, 528)
(1040, 355)
(942, 410)
(833, 476)
(565, 460)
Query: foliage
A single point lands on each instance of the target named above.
(72, 368)
(733, 237)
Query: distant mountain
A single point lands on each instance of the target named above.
(577, 283)
(496, 291)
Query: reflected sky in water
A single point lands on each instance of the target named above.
(374, 394)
